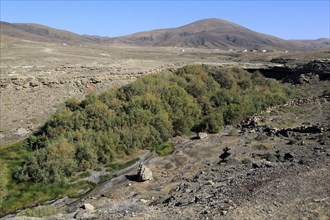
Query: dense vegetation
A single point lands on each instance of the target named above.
(145, 114)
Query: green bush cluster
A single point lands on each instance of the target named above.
(165, 149)
(143, 115)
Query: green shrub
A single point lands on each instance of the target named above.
(233, 160)
(165, 149)
(143, 115)
(246, 161)
(260, 147)
(42, 211)
(3, 182)
(270, 157)
(119, 166)
(233, 132)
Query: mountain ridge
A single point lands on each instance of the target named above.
(210, 33)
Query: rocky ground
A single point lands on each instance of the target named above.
(274, 165)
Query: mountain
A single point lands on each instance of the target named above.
(41, 33)
(207, 33)
(213, 33)
(321, 43)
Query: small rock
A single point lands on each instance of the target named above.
(228, 201)
(261, 164)
(144, 201)
(22, 132)
(34, 84)
(224, 212)
(87, 206)
(210, 182)
(288, 156)
(188, 191)
(225, 154)
(83, 214)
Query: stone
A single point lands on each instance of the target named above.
(288, 156)
(210, 182)
(202, 135)
(34, 83)
(144, 201)
(225, 154)
(22, 132)
(261, 164)
(88, 206)
(144, 173)
(83, 214)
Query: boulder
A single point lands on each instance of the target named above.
(144, 173)
(202, 135)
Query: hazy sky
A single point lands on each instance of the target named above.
(284, 19)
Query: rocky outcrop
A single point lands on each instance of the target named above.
(302, 101)
(309, 72)
(317, 66)
(252, 126)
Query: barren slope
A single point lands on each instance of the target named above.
(212, 33)
(41, 33)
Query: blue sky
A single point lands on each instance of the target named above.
(284, 19)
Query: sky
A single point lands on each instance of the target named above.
(285, 19)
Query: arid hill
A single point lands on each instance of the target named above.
(41, 33)
(321, 43)
(216, 33)
(207, 33)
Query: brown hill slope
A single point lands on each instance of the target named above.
(207, 33)
(318, 44)
(212, 33)
(41, 33)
